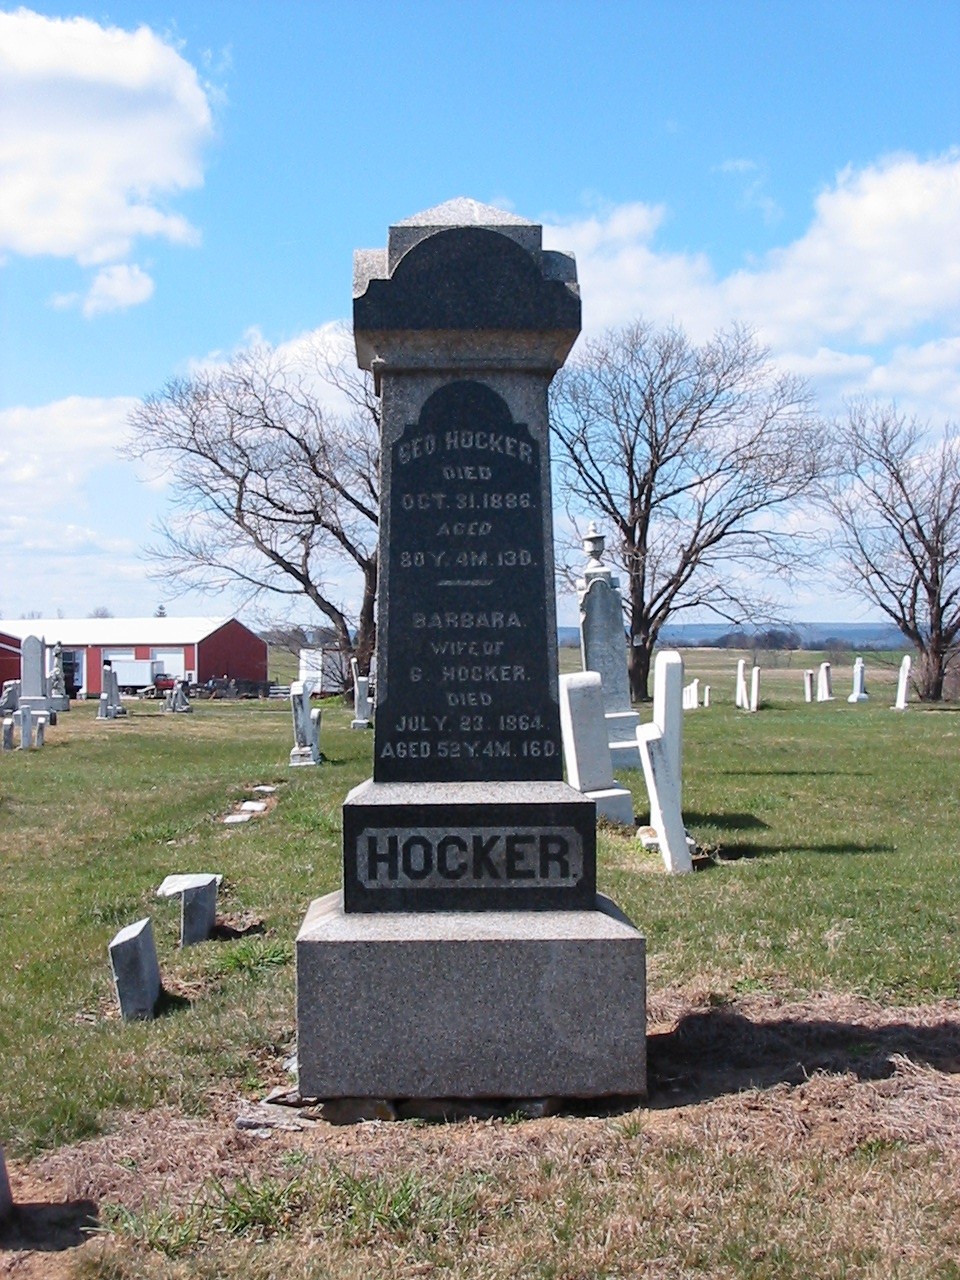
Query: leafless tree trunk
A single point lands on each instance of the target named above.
(689, 453)
(895, 500)
(270, 493)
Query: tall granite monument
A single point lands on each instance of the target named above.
(469, 954)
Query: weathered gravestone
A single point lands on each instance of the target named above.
(361, 698)
(136, 971)
(603, 648)
(903, 684)
(470, 955)
(33, 684)
(586, 750)
(859, 692)
(824, 683)
(306, 728)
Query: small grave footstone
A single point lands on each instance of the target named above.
(198, 904)
(8, 733)
(903, 684)
(824, 683)
(6, 1198)
(25, 722)
(136, 972)
(808, 685)
(233, 818)
(859, 693)
(586, 750)
(253, 806)
(741, 697)
(755, 689)
(41, 736)
(265, 789)
(603, 649)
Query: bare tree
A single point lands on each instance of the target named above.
(689, 452)
(895, 499)
(271, 493)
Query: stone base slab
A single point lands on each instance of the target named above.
(493, 1004)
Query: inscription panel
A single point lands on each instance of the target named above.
(468, 694)
(485, 858)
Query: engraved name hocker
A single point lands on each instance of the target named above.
(483, 857)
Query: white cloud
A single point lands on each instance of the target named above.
(116, 287)
(100, 127)
(867, 300)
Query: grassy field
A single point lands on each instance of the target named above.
(804, 1117)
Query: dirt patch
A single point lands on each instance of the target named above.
(830, 1076)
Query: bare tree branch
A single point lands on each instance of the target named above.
(689, 452)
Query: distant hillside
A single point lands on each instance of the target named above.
(815, 635)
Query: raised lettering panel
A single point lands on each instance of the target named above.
(485, 858)
(468, 694)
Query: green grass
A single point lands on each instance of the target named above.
(833, 830)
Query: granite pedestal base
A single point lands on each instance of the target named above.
(492, 1004)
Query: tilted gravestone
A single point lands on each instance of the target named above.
(469, 955)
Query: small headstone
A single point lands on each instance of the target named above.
(824, 683)
(233, 818)
(586, 750)
(603, 649)
(755, 689)
(8, 733)
(103, 709)
(706, 695)
(361, 699)
(691, 695)
(136, 972)
(6, 1199)
(41, 730)
(668, 709)
(666, 815)
(741, 697)
(198, 905)
(903, 684)
(24, 719)
(859, 693)
(306, 729)
(170, 886)
(253, 806)
(808, 685)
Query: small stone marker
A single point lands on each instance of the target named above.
(808, 685)
(741, 697)
(859, 693)
(755, 689)
(824, 683)
(668, 709)
(603, 649)
(8, 733)
(691, 695)
(198, 904)
(253, 806)
(306, 729)
(136, 972)
(265, 789)
(586, 750)
(6, 1199)
(24, 719)
(41, 730)
(903, 684)
(233, 818)
(706, 695)
(361, 698)
(661, 753)
(103, 709)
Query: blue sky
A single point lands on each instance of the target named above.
(175, 178)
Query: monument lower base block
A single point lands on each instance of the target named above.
(496, 1004)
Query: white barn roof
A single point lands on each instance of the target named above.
(80, 632)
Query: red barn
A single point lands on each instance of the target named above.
(196, 649)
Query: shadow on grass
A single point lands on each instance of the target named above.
(735, 852)
(793, 773)
(718, 1051)
(726, 821)
(48, 1228)
(169, 1003)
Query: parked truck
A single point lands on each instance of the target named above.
(134, 674)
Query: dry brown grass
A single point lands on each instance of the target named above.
(819, 1138)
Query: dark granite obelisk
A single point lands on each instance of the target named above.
(469, 954)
